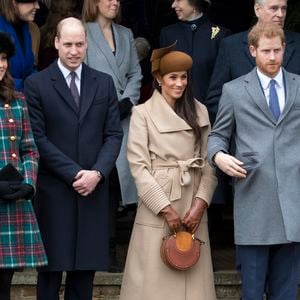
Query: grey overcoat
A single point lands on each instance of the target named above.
(267, 202)
(125, 70)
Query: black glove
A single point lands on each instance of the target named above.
(125, 106)
(5, 188)
(20, 191)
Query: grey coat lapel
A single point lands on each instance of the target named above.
(60, 85)
(254, 89)
(290, 93)
(102, 45)
(120, 46)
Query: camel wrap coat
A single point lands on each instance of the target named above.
(167, 170)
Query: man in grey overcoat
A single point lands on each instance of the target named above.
(260, 113)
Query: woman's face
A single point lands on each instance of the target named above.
(27, 11)
(108, 9)
(3, 65)
(173, 86)
(184, 10)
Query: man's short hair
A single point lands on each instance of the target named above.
(70, 21)
(262, 29)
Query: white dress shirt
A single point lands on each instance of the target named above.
(67, 74)
(279, 86)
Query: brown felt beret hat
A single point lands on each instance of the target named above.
(166, 60)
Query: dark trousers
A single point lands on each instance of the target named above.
(6, 276)
(78, 285)
(273, 268)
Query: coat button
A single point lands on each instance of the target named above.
(12, 138)
(10, 120)
(14, 155)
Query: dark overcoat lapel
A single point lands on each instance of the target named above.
(60, 85)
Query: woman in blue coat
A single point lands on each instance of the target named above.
(15, 16)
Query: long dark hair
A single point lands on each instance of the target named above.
(185, 108)
(7, 91)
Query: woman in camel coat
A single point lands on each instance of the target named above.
(167, 153)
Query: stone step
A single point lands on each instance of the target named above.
(107, 285)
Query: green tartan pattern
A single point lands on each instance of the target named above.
(22, 151)
(20, 241)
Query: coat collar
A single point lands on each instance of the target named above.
(86, 95)
(253, 87)
(164, 117)
(100, 42)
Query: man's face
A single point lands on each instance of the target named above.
(272, 11)
(268, 55)
(71, 46)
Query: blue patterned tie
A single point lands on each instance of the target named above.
(273, 101)
(73, 88)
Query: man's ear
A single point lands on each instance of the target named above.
(284, 46)
(56, 43)
(252, 50)
(256, 9)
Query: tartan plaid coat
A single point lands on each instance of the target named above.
(20, 241)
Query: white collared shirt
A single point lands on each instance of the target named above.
(67, 74)
(265, 83)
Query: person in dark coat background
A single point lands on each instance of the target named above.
(77, 129)
(235, 60)
(197, 36)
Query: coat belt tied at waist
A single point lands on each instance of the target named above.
(182, 176)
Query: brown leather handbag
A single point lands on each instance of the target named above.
(181, 250)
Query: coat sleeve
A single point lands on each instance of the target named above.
(28, 149)
(55, 160)
(223, 129)
(134, 74)
(221, 75)
(208, 181)
(149, 191)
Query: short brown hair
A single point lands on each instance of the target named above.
(67, 22)
(262, 29)
(9, 11)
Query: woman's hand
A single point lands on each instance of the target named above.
(172, 217)
(194, 215)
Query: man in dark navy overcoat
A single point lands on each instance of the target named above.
(76, 126)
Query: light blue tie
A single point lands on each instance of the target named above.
(273, 101)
